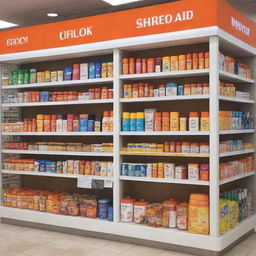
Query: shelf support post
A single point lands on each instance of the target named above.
(116, 134)
(214, 136)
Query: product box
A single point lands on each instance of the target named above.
(83, 71)
(149, 119)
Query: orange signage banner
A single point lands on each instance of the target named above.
(157, 19)
(233, 22)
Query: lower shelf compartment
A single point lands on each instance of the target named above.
(132, 230)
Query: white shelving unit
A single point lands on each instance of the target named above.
(214, 40)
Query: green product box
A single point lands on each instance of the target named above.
(15, 77)
(26, 76)
(20, 76)
(32, 75)
(10, 75)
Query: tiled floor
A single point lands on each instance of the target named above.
(21, 241)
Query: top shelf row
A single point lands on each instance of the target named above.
(186, 73)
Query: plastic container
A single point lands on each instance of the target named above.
(40, 123)
(174, 121)
(182, 216)
(126, 122)
(193, 121)
(193, 171)
(199, 214)
(127, 209)
(165, 121)
(158, 121)
(103, 208)
(105, 121)
(140, 211)
(204, 121)
(67, 73)
(125, 66)
(133, 122)
(204, 172)
(83, 122)
(140, 123)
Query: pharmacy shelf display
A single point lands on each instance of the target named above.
(136, 110)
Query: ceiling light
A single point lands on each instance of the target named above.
(52, 14)
(119, 2)
(5, 24)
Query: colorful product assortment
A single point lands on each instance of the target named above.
(191, 171)
(192, 216)
(237, 167)
(59, 203)
(151, 120)
(234, 145)
(234, 207)
(47, 96)
(58, 146)
(168, 147)
(229, 90)
(234, 66)
(63, 123)
(235, 120)
(139, 90)
(81, 71)
(97, 168)
(166, 64)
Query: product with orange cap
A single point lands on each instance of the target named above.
(165, 121)
(174, 121)
(174, 63)
(125, 66)
(193, 121)
(47, 123)
(204, 121)
(105, 121)
(182, 62)
(158, 121)
(140, 211)
(195, 61)
(169, 213)
(182, 216)
(201, 60)
(127, 204)
(198, 222)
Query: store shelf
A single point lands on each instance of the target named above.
(238, 177)
(59, 175)
(166, 98)
(171, 181)
(234, 78)
(60, 84)
(171, 133)
(60, 153)
(235, 153)
(164, 154)
(57, 133)
(234, 99)
(163, 235)
(57, 103)
(185, 73)
(236, 131)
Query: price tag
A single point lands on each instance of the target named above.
(108, 184)
(84, 182)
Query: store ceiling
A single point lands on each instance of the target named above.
(27, 12)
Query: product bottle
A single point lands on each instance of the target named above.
(204, 122)
(75, 124)
(59, 127)
(174, 121)
(133, 121)
(111, 121)
(183, 122)
(126, 122)
(165, 121)
(140, 124)
(40, 123)
(105, 121)
(47, 123)
(76, 72)
(64, 123)
(32, 125)
(91, 120)
(97, 124)
(83, 122)
(158, 121)
(193, 121)
(53, 123)
(70, 118)
(125, 66)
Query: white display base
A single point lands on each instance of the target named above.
(163, 235)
